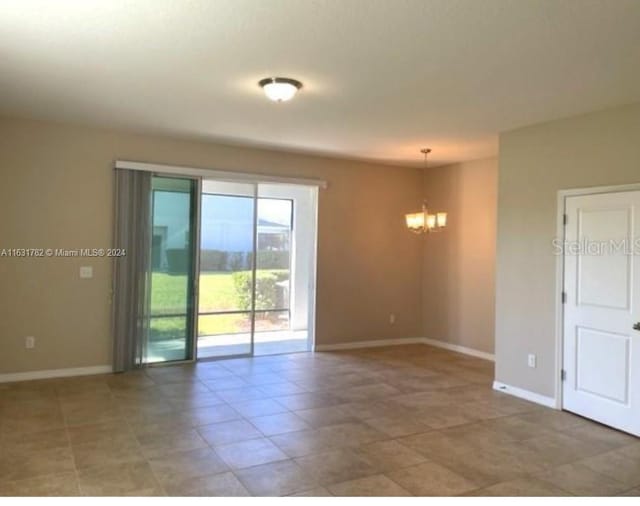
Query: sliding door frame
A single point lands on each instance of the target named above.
(312, 266)
(313, 278)
(254, 269)
(254, 198)
(195, 263)
(192, 339)
(196, 271)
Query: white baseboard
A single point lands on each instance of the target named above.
(55, 373)
(105, 369)
(353, 345)
(405, 340)
(549, 402)
(459, 349)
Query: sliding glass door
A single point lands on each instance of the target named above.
(226, 278)
(256, 269)
(233, 269)
(171, 287)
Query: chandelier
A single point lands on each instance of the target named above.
(425, 222)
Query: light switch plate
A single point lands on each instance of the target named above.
(531, 360)
(86, 272)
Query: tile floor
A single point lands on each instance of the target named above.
(406, 420)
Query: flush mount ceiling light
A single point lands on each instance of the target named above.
(423, 222)
(280, 89)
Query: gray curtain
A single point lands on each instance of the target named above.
(132, 271)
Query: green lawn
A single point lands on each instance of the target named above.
(217, 293)
(169, 292)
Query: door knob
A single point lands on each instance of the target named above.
(636, 326)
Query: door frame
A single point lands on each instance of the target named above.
(196, 310)
(200, 173)
(195, 262)
(560, 273)
(313, 258)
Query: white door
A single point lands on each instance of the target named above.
(602, 287)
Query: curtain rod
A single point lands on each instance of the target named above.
(222, 175)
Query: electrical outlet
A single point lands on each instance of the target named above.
(29, 342)
(392, 318)
(531, 360)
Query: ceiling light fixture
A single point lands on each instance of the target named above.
(423, 222)
(280, 89)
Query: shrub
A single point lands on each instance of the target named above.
(267, 290)
(268, 259)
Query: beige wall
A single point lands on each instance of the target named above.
(56, 192)
(459, 262)
(602, 148)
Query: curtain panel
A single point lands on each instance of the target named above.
(132, 271)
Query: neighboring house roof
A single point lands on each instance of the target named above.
(272, 224)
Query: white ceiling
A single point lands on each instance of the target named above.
(382, 78)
